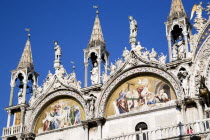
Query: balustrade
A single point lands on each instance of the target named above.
(202, 126)
(16, 129)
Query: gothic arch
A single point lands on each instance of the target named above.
(16, 76)
(52, 97)
(105, 95)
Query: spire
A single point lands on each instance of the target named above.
(96, 38)
(26, 58)
(177, 10)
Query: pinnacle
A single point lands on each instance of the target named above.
(177, 10)
(26, 60)
(97, 35)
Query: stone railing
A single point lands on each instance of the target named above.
(180, 130)
(16, 129)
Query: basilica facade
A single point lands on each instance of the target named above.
(140, 96)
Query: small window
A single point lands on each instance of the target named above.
(141, 127)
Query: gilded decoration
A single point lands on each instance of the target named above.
(139, 93)
(17, 118)
(60, 114)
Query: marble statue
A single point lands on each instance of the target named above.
(133, 27)
(125, 53)
(20, 96)
(112, 69)
(119, 63)
(181, 48)
(94, 74)
(57, 51)
(145, 54)
(105, 77)
(174, 53)
(138, 48)
(162, 58)
(153, 55)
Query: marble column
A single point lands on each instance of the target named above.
(24, 91)
(99, 70)
(22, 115)
(169, 48)
(9, 118)
(11, 96)
(200, 109)
(86, 131)
(186, 43)
(99, 132)
(86, 74)
(183, 111)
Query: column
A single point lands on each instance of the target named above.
(22, 115)
(86, 132)
(24, 91)
(107, 64)
(99, 70)
(200, 109)
(9, 118)
(86, 74)
(99, 132)
(169, 48)
(183, 111)
(11, 96)
(186, 43)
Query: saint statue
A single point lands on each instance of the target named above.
(94, 74)
(178, 49)
(20, 96)
(57, 51)
(133, 27)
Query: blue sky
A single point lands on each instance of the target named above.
(70, 23)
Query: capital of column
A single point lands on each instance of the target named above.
(86, 64)
(22, 109)
(99, 122)
(9, 111)
(168, 37)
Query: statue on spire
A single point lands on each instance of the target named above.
(57, 51)
(133, 30)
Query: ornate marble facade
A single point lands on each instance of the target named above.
(140, 96)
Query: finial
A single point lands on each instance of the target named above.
(96, 7)
(28, 30)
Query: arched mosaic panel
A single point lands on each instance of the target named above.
(141, 70)
(73, 98)
(139, 93)
(61, 113)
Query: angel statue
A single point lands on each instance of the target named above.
(198, 9)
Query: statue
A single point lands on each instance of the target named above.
(138, 48)
(145, 54)
(181, 48)
(198, 9)
(199, 20)
(94, 74)
(125, 53)
(20, 96)
(57, 51)
(133, 30)
(90, 103)
(119, 63)
(174, 53)
(112, 69)
(105, 77)
(153, 55)
(162, 58)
